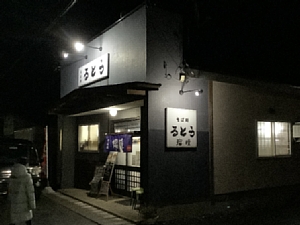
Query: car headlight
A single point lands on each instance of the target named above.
(35, 171)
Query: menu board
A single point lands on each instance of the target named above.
(107, 174)
(108, 170)
(95, 183)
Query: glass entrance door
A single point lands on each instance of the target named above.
(127, 169)
(127, 173)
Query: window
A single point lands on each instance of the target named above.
(88, 137)
(127, 126)
(274, 139)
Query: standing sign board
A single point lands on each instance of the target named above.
(107, 174)
(96, 181)
(109, 166)
(181, 128)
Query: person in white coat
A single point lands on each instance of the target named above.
(21, 194)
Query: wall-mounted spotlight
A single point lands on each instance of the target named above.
(182, 77)
(79, 46)
(188, 71)
(66, 55)
(196, 91)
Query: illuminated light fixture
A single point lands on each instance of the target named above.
(113, 112)
(79, 46)
(185, 74)
(65, 55)
(182, 77)
(197, 92)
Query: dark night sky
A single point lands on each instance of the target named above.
(33, 35)
(254, 39)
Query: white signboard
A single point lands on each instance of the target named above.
(181, 130)
(94, 70)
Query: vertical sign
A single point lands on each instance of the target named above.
(181, 130)
(94, 70)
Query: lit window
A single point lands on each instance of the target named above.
(88, 137)
(274, 139)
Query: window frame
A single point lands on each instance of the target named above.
(290, 141)
(80, 150)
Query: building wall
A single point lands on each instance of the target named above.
(126, 44)
(85, 162)
(235, 112)
(54, 153)
(1, 127)
(78, 167)
(180, 175)
(69, 146)
(151, 50)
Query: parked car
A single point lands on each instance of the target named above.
(10, 151)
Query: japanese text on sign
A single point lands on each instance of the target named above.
(181, 130)
(118, 142)
(94, 70)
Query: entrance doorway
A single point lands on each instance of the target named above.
(127, 173)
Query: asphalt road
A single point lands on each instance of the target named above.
(288, 214)
(47, 213)
(51, 212)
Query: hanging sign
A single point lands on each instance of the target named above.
(94, 70)
(181, 130)
(118, 142)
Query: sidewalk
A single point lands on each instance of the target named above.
(201, 211)
(120, 206)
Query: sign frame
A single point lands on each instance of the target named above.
(97, 69)
(181, 128)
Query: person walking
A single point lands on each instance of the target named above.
(21, 194)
